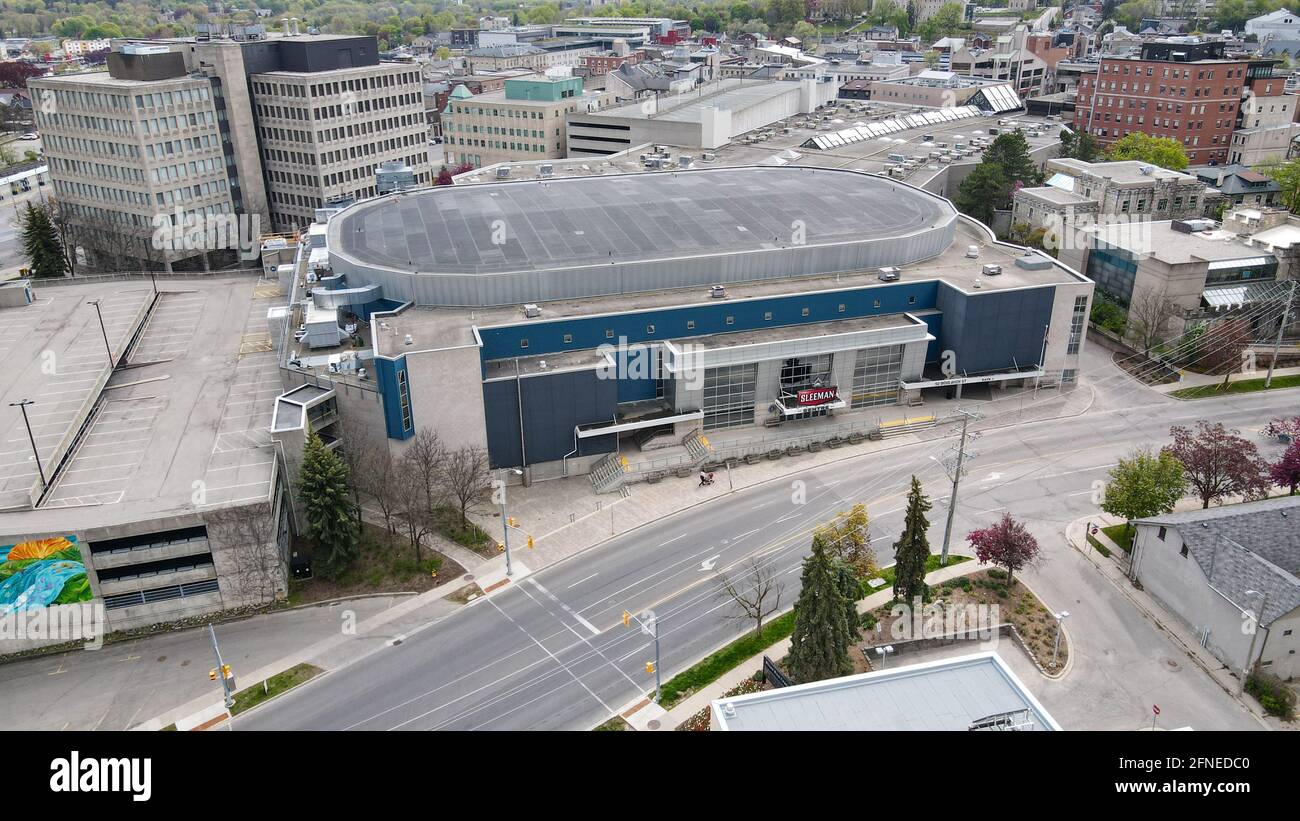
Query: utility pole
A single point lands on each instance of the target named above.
(22, 406)
(649, 624)
(1277, 343)
(221, 669)
(956, 480)
(1254, 634)
(104, 331)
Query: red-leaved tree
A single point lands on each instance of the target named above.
(444, 177)
(1218, 462)
(1286, 471)
(1005, 543)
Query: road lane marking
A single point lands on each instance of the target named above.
(595, 631)
(580, 581)
(673, 539)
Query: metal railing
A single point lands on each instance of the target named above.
(145, 276)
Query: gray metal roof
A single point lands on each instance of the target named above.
(690, 227)
(942, 695)
(1249, 546)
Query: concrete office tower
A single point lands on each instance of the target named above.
(129, 146)
(327, 117)
(224, 124)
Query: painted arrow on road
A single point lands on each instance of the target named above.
(708, 563)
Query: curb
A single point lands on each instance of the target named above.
(1092, 400)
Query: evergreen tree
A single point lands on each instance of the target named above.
(41, 244)
(912, 548)
(981, 192)
(851, 590)
(325, 496)
(819, 647)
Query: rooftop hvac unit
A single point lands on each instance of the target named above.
(991, 270)
(717, 292)
(708, 156)
(685, 160)
(545, 170)
(890, 273)
(503, 172)
(532, 311)
(973, 252)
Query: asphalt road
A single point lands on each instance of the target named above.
(551, 651)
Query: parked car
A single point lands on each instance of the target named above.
(31, 135)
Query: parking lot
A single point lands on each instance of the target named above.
(63, 344)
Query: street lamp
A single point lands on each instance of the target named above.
(103, 330)
(505, 521)
(1056, 646)
(22, 406)
(1254, 633)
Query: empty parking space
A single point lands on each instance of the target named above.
(171, 328)
(240, 467)
(69, 357)
(106, 460)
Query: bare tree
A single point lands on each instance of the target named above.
(379, 482)
(755, 590)
(465, 476)
(246, 536)
(411, 508)
(1149, 315)
(425, 455)
(359, 449)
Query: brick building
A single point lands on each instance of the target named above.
(1187, 91)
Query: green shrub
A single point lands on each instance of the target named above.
(1273, 695)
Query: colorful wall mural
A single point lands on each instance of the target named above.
(42, 572)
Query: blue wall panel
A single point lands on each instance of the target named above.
(995, 330)
(553, 406)
(386, 371)
(709, 318)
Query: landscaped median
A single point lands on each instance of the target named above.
(1240, 386)
(273, 686)
(700, 675)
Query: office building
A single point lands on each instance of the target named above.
(1186, 90)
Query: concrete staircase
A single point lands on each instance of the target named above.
(900, 427)
(698, 447)
(609, 472)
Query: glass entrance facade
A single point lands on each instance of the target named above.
(876, 376)
(729, 396)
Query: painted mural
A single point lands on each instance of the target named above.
(40, 573)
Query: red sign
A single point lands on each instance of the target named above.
(817, 396)
(1155, 708)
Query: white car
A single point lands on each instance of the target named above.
(31, 135)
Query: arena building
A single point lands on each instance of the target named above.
(601, 323)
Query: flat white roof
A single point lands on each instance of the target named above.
(949, 694)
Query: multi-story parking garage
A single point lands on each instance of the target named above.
(561, 322)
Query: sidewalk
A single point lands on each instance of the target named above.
(566, 516)
(381, 630)
(671, 719)
(1179, 632)
(1196, 380)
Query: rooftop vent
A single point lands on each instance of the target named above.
(409, 340)
(1033, 262)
